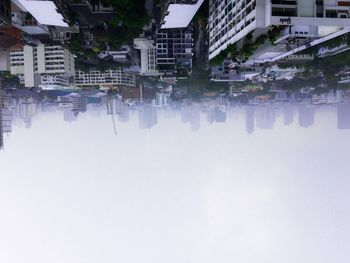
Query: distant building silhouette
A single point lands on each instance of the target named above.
(265, 117)
(78, 101)
(249, 120)
(148, 117)
(343, 113)
(288, 113)
(1, 124)
(306, 116)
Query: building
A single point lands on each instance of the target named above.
(121, 109)
(330, 97)
(5, 12)
(228, 71)
(147, 56)
(265, 117)
(288, 114)
(49, 80)
(37, 17)
(68, 113)
(121, 56)
(79, 102)
(174, 51)
(171, 9)
(10, 38)
(1, 124)
(162, 99)
(343, 113)
(41, 59)
(249, 120)
(4, 61)
(27, 109)
(111, 77)
(148, 116)
(306, 116)
(303, 23)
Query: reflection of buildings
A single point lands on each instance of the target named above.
(148, 116)
(265, 117)
(306, 116)
(343, 116)
(288, 113)
(249, 120)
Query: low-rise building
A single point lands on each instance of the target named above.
(111, 77)
(147, 56)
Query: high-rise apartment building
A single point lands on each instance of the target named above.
(232, 20)
(41, 59)
(174, 51)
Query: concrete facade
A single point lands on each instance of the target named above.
(230, 21)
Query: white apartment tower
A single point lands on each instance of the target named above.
(41, 59)
(231, 20)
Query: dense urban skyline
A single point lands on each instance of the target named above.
(174, 131)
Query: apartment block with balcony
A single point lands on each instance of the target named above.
(108, 78)
(303, 20)
(42, 59)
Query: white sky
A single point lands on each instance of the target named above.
(73, 192)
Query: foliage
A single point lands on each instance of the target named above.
(230, 51)
(127, 23)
